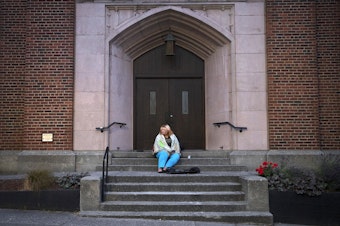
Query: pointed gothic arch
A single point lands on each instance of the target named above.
(193, 32)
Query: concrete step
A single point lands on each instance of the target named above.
(237, 217)
(146, 177)
(136, 190)
(208, 206)
(145, 161)
(174, 187)
(182, 161)
(153, 168)
(184, 154)
(184, 196)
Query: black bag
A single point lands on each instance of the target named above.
(184, 171)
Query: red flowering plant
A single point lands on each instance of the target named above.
(266, 169)
(301, 180)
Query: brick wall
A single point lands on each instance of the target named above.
(12, 67)
(303, 76)
(328, 58)
(37, 83)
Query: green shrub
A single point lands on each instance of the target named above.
(37, 180)
(71, 181)
(330, 172)
(303, 181)
(297, 180)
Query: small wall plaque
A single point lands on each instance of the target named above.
(47, 137)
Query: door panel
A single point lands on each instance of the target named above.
(169, 89)
(177, 102)
(186, 106)
(150, 110)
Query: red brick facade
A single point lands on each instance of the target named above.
(12, 66)
(37, 67)
(303, 74)
(328, 59)
(37, 71)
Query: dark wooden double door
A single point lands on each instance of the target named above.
(171, 94)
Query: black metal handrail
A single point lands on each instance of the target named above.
(121, 124)
(105, 169)
(240, 129)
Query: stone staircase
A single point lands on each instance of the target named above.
(217, 194)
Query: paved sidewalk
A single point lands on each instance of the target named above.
(49, 218)
(12, 217)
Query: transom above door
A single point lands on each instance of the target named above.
(169, 90)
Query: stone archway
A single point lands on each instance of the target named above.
(148, 31)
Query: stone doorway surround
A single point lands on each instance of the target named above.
(229, 36)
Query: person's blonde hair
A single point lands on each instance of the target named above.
(170, 132)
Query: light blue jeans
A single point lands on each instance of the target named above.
(166, 161)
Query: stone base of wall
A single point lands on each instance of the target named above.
(18, 162)
(9, 162)
(310, 159)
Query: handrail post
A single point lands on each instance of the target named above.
(105, 167)
(103, 178)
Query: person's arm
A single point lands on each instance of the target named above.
(160, 144)
(155, 146)
(175, 144)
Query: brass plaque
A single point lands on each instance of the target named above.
(47, 137)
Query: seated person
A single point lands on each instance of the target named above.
(166, 148)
